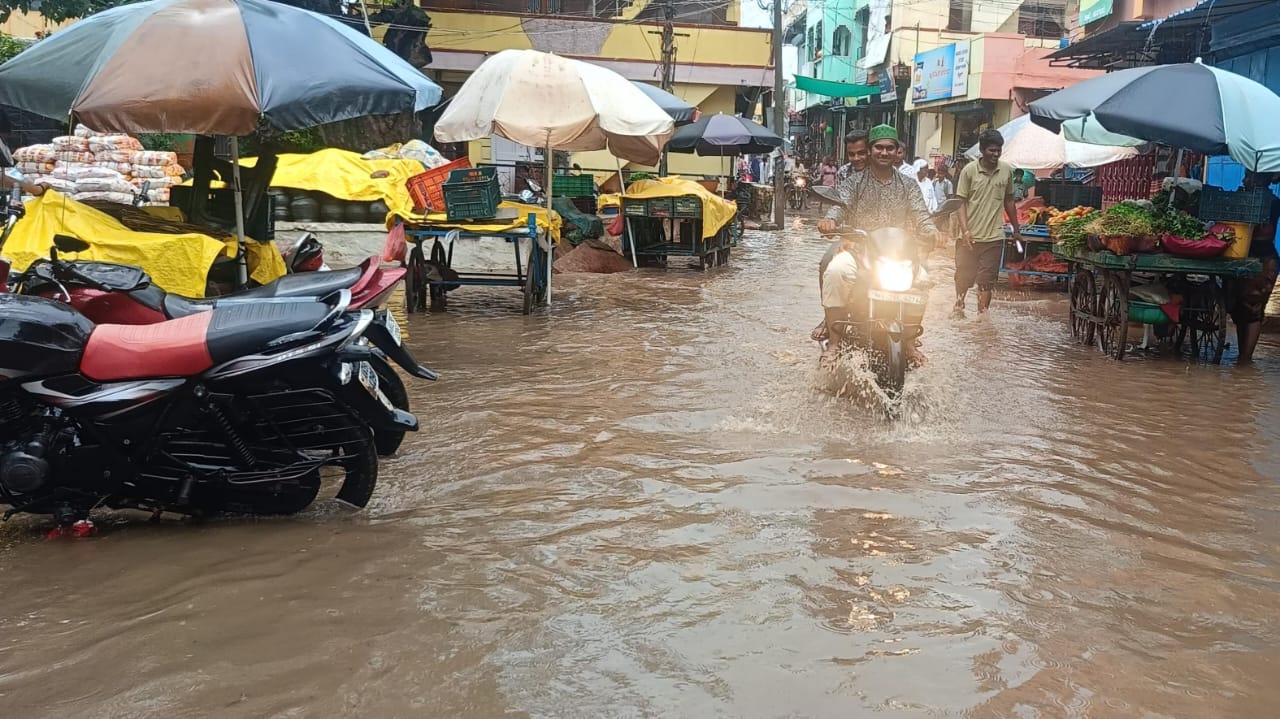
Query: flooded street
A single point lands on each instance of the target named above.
(641, 505)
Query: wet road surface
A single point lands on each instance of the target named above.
(641, 505)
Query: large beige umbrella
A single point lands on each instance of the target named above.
(544, 100)
(1031, 147)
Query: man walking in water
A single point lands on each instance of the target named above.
(986, 186)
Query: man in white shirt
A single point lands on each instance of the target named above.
(837, 283)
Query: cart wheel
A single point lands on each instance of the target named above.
(1113, 308)
(1205, 322)
(1084, 306)
(415, 281)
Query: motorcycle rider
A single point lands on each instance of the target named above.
(882, 197)
(857, 153)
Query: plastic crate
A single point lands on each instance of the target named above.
(573, 186)
(635, 208)
(472, 194)
(1066, 195)
(689, 206)
(661, 207)
(585, 205)
(1247, 206)
(424, 189)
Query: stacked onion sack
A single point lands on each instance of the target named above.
(89, 166)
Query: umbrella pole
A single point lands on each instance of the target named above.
(551, 180)
(242, 260)
(635, 262)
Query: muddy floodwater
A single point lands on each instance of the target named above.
(640, 505)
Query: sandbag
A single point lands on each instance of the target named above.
(82, 171)
(102, 184)
(113, 156)
(156, 158)
(36, 153)
(76, 157)
(71, 143)
(114, 143)
(120, 198)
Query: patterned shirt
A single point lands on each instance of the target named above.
(874, 204)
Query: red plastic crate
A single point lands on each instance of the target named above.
(426, 189)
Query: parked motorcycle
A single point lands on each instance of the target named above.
(888, 300)
(109, 293)
(797, 191)
(235, 409)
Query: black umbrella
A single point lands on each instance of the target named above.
(679, 110)
(723, 135)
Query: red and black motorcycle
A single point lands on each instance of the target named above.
(239, 408)
(109, 293)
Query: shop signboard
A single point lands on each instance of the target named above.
(1094, 10)
(941, 74)
(888, 93)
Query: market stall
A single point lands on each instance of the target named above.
(531, 232)
(1153, 264)
(670, 217)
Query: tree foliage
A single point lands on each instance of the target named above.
(58, 11)
(10, 47)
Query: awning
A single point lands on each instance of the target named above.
(1180, 37)
(831, 88)
(1204, 11)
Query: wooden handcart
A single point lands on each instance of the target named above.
(424, 283)
(1101, 309)
(658, 228)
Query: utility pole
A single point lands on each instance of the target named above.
(779, 114)
(668, 61)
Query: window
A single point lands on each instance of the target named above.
(960, 18)
(841, 42)
(817, 40)
(1036, 19)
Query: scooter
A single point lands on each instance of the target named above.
(889, 299)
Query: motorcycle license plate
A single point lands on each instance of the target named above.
(393, 327)
(911, 299)
(369, 380)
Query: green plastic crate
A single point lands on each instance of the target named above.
(661, 207)
(472, 194)
(689, 206)
(1147, 313)
(573, 186)
(635, 208)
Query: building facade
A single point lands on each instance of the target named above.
(719, 66)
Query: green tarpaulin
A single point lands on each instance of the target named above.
(831, 88)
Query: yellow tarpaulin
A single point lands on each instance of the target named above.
(716, 211)
(346, 176)
(438, 220)
(177, 263)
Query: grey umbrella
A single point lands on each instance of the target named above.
(679, 110)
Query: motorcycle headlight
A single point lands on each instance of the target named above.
(894, 275)
(799, 182)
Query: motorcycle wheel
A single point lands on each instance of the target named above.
(388, 441)
(890, 366)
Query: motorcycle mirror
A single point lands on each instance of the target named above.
(949, 207)
(830, 195)
(67, 243)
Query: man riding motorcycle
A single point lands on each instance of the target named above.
(877, 198)
(857, 155)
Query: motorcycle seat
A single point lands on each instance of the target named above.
(305, 284)
(188, 346)
(301, 286)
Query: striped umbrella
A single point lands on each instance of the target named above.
(1186, 105)
(211, 67)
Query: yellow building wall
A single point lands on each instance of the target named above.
(27, 24)
(476, 32)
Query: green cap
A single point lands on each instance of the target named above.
(882, 132)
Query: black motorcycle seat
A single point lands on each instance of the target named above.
(236, 330)
(304, 284)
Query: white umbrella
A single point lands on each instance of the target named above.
(1031, 147)
(544, 100)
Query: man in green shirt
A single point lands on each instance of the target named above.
(986, 186)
